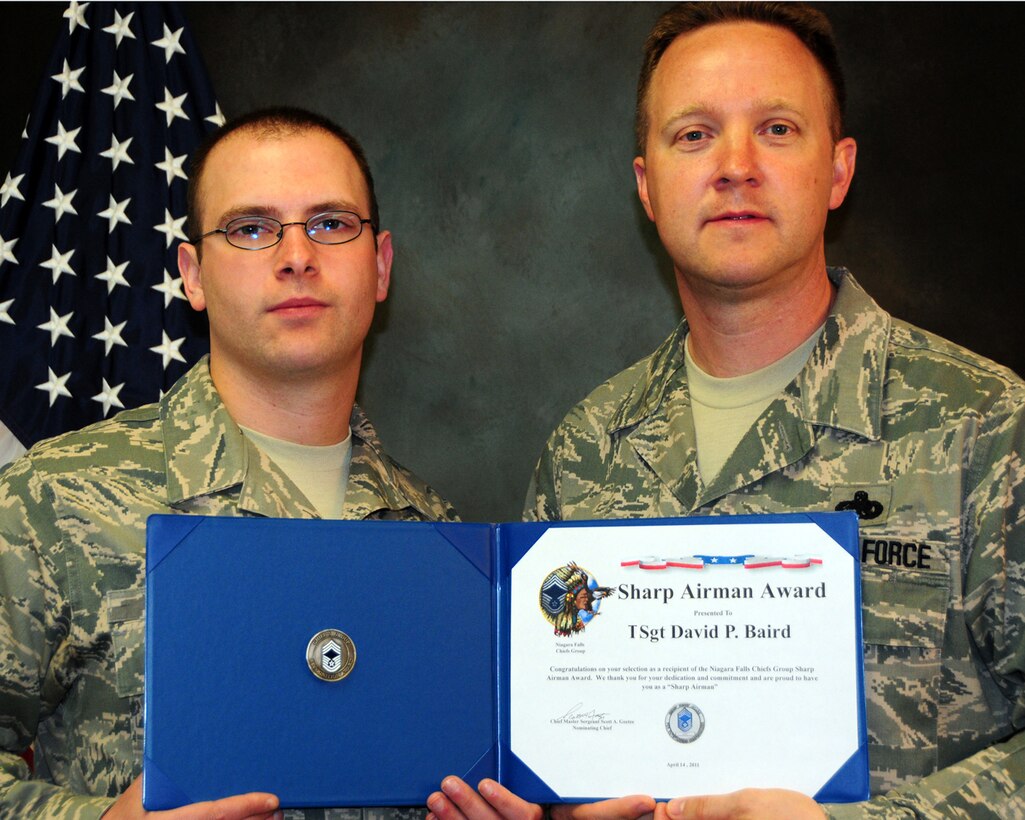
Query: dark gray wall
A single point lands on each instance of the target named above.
(501, 139)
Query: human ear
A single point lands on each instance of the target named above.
(191, 274)
(844, 154)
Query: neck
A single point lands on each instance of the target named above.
(734, 333)
(301, 411)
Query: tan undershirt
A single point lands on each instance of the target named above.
(725, 409)
(322, 473)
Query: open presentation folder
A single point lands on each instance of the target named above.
(340, 663)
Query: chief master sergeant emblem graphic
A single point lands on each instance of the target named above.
(570, 598)
(685, 723)
(331, 655)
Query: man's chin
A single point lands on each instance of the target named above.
(737, 278)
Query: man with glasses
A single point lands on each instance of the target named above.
(288, 260)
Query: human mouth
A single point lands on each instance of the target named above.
(297, 306)
(738, 217)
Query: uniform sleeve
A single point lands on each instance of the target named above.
(542, 494)
(990, 783)
(34, 619)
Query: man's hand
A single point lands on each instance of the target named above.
(742, 805)
(252, 806)
(457, 801)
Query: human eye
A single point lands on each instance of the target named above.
(779, 129)
(248, 230)
(334, 224)
(692, 137)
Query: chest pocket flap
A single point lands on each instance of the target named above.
(126, 614)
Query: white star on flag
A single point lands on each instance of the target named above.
(10, 189)
(119, 90)
(171, 287)
(58, 326)
(172, 166)
(59, 263)
(217, 118)
(68, 79)
(75, 15)
(61, 203)
(114, 275)
(169, 43)
(64, 140)
(172, 106)
(118, 151)
(120, 29)
(54, 385)
(115, 213)
(108, 397)
(172, 228)
(5, 311)
(7, 250)
(111, 335)
(168, 349)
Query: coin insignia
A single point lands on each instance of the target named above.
(331, 655)
(685, 722)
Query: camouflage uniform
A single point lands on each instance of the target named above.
(72, 533)
(922, 435)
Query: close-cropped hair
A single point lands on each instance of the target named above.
(270, 123)
(809, 25)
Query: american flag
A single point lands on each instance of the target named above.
(748, 561)
(92, 315)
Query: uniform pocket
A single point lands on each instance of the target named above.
(903, 619)
(126, 615)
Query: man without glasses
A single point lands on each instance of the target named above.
(288, 261)
(786, 388)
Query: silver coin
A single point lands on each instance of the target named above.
(685, 723)
(331, 655)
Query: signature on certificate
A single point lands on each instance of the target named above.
(577, 714)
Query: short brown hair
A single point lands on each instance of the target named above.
(271, 122)
(809, 25)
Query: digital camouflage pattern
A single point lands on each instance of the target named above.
(72, 580)
(922, 435)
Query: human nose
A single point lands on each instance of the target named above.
(296, 253)
(738, 162)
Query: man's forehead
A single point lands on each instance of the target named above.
(758, 66)
(263, 141)
(250, 162)
(737, 44)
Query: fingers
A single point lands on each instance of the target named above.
(633, 807)
(508, 805)
(763, 804)
(457, 801)
(252, 806)
(714, 807)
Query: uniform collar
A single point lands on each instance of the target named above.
(376, 484)
(839, 387)
(206, 453)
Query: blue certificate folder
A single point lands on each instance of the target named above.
(231, 705)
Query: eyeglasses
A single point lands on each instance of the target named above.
(254, 233)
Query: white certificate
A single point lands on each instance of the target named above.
(674, 659)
